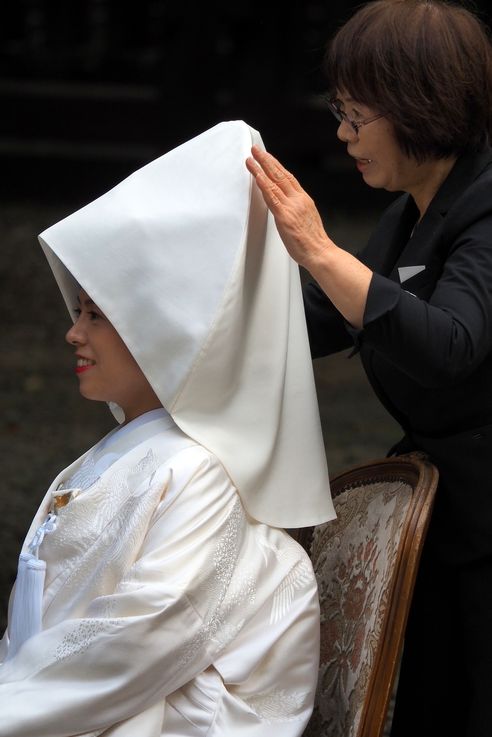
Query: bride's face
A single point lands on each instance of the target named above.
(105, 367)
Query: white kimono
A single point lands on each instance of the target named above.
(167, 610)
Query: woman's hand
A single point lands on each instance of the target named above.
(341, 276)
(296, 216)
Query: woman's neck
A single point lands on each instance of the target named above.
(134, 411)
(432, 175)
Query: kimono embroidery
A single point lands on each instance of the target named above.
(79, 638)
(278, 705)
(216, 625)
(299, 576)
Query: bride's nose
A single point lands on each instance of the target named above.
(75, 335)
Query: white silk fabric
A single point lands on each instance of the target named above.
(186, 262)
(168, 611)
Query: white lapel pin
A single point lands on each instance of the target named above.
(406, 272)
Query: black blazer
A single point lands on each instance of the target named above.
(426, 345)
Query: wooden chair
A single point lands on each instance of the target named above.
(366, 563)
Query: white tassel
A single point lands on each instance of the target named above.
(27, 604)
(27, 607)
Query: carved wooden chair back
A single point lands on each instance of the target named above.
(366, 563)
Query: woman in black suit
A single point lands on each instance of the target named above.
(412, 90)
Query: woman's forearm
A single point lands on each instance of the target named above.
(344, 279)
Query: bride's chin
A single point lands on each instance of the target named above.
(93, 395)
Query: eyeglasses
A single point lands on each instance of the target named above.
(342, 117)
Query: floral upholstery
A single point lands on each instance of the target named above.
(354, 558)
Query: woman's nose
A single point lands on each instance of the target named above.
(345, 132)
(75, 335)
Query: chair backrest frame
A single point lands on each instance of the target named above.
(415, 470)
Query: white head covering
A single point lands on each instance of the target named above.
(185, 261)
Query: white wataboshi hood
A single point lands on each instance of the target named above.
(186, 262)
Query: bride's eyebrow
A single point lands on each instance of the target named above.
(87, 302)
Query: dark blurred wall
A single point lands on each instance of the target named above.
(90, 90)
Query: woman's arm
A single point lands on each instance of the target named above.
(327, 330)
(342, 277)
(440, 341)
(436, 341)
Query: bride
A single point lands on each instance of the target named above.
(157, 593)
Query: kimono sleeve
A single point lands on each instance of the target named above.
(164, 623)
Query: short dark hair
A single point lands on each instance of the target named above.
(426, 65)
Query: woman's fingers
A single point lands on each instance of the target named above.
(278, 186)
(274, 170)
(296, 216)
(271, 192)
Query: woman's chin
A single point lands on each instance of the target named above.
(93, 395)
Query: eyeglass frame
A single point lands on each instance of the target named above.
(342, 116)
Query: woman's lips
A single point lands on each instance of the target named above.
(83, 364)
(362, 164)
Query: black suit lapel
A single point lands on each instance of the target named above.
(421, 249)
(385, 244)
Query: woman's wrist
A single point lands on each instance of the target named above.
(319, 256)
